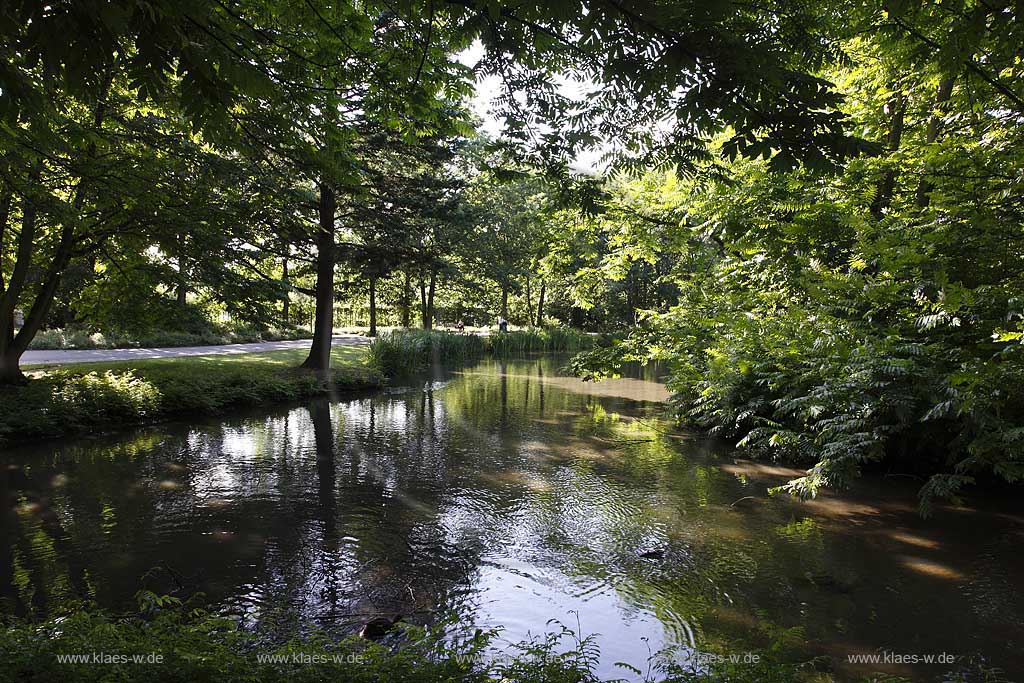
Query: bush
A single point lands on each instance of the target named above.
(836, 396)
(95, 399)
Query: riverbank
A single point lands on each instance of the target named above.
(172, 641)
(112, 395)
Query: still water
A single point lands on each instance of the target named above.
(511, 495)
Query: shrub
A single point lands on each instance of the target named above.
(96, 399)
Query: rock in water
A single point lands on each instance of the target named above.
(377, 628)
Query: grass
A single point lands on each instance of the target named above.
(72, 338)
(403, 352)
(90, 396)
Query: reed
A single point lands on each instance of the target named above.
(404, 352)
(550, 340)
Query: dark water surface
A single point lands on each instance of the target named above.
(511, 495)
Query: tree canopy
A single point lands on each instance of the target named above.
(812, 214)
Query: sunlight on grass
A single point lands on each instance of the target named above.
(340, 355)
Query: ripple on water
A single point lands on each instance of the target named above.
(510, 496)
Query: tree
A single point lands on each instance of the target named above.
(838, 320)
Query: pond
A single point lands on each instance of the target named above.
(511, 495)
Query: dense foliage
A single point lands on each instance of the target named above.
(872, 314)
(832, 265)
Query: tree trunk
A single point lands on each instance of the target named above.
(182, 288)
(886, 186)
(319, 358)
(406, 303)
(5, 213)
(286, 303)
(540, 304)
(10, 368)
(373, 307)
(430, 300)
(942, 96)
(12, 346)
(504, 301)
(424, 316)
(529, 303)
(10, 354)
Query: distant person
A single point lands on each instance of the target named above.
(460, 326)
(502, 324)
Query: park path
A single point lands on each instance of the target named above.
(100, 355)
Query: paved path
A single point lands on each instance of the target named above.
(99, 355)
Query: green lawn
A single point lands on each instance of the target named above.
(348, 355)
(102, 396)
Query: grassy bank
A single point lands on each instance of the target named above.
(187, 645)
(402, 352)
(80, 398)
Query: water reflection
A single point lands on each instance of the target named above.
(513, 495)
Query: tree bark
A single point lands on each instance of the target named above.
(540, 304)
(10, 356)
(529, 303)
(430, 299)
(373, 307)
(182, 288)
(427, 289)
(5, 214)
(504, 301)
(406, 303)
(424, 317)
(319, 358)
(896, 108)
(286, 303)
(942, 96)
